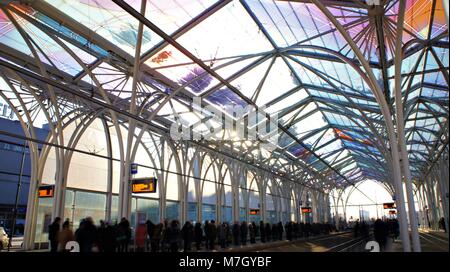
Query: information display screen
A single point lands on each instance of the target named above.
(46, 191)
(254, 211)
(306, 210)
(144, 185)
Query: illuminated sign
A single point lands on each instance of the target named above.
(46, 191)
(306, 210)
(390, 205)
(144, 185)
(392, 212)
(254, 211)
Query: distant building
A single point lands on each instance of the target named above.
(11, 150)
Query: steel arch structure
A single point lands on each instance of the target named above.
(356, 98)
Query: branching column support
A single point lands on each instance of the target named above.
(385, 110)
(125, 187)
(401, 128)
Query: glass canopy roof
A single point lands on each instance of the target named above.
(285, 56)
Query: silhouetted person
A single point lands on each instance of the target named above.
(252, 233)
(187, 233)
(173, 235)
(64, 236)
(262, 231)
(356, 229)
(87, 236)
(268, 230)
(198, 235)
(141, 237)
(442, 224)
(289, 231)
(222, 235)
(280, 231)
(236, 233)
(156, 237)
(206, 231)
(380, 231)
(244, 232)
(53, 231)
(125, 235)
(150, 229)
(109, 238)
(212, 234)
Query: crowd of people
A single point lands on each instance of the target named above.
(170, 236)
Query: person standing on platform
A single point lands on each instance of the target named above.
(65, 236)
(187, 232)
(236, 233)
(244, 232)
(262, 232)
(53, 231)
(141, 237)
(198, 234)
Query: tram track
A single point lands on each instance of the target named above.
(331, 243)
(435, 241)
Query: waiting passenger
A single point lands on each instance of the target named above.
(252, 233)
(141, 237)
(262, 231)
(156, 237)
(150, 229)
(53, 231)
(187, 232)
(173, 235)
(125, 235)
(198, 234)
(64, 236)
(280, 231)
(109, 238)
(244, 232)
(268, 230)
(212, 235)
(236, 233)
(222, 235)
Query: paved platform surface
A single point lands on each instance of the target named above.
(430, 240)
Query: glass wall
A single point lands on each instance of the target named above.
(227, 214)
(115, 209)
(192, 212)
(150, 207)
(69, 206)
(44, 217)
(89, 204)
(172, 210)
(242, 214)
(208, 212)
(272, 217)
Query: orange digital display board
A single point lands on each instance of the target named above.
(254, 211)
(306, 210)
(389, 205)
(144, 185)
(392, 212)
(46, 191)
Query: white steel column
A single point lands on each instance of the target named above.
(445, 5)
(443, 179)
(401, 128)
(125, 187)
(379, 96)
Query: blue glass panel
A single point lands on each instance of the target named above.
(172, 210)
(208, 212)
(192, 212)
